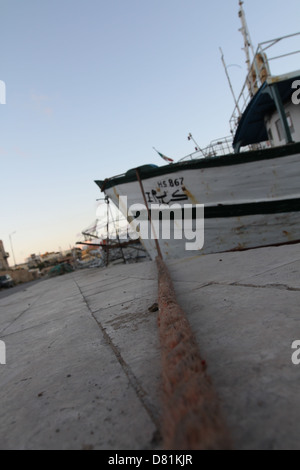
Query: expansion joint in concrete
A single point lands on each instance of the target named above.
(140, 392)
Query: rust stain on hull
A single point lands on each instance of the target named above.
(189, 195)
(116, 192)
(288, 235)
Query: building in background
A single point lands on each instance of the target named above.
(3, 257)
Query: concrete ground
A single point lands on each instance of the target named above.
(83, 358)
(244, 309)
(81, 371)
(20, 287)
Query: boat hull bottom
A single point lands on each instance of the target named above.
(233, 234)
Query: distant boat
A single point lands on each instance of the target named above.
(249, 183)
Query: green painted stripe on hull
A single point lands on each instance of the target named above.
(246, 209)
(253, 208)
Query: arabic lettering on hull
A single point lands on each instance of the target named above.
(172, 192)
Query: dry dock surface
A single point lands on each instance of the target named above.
(83, 366)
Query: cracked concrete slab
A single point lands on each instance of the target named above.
(65, 385)
(83, 356)
(245, 334)
(286, 277)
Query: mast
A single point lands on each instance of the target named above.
(253, 72)
(229, 82)
(246, 35)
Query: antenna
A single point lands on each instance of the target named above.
(197, 148)
(229, 81)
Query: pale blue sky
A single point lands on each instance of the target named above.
(93, 85)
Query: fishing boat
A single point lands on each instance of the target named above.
(248, 184)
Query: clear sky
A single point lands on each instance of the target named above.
(93, 85)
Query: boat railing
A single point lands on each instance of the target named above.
(216, 148)
(259, 72)
(221, 147)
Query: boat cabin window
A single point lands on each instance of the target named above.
(270, 134)
(280, 128)
(290, 122)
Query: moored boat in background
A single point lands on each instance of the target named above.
(251, 195)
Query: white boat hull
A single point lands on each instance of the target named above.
(248, 202)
